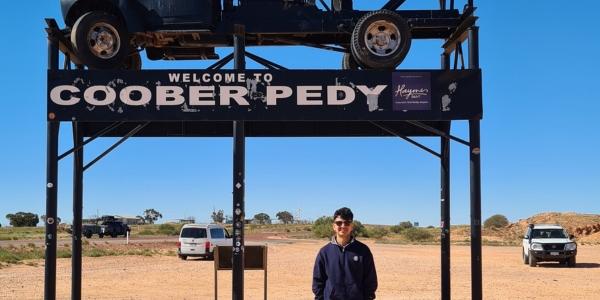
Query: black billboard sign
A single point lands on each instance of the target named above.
(263, 95)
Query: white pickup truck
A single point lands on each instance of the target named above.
(199, 240)
(548, 243)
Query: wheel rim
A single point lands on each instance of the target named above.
(103, 40)
(382, 38)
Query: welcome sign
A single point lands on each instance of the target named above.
(331, 95)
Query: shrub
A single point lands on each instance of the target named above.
(168, 229)
(322, 227)
(360, 230)
(377, 232)
(496, 221)
(417, 234)
(401, 226)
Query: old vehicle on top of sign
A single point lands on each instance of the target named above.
(109, 34)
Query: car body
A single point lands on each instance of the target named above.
(108, 34)
(88, 230)
(115, 228)
(546, 242)
(199, 240)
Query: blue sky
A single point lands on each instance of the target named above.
(539, 134)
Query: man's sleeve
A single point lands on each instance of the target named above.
(370, 280)
(319, 277)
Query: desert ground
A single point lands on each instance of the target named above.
(404, 271)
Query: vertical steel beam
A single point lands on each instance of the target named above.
(51, 189)
(445, 212)
(239, 153)
(445, 202)
(475, 164)
(77, 212)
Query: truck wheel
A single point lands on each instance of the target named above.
(101, 235)
(349, 63)
(380, 40)
(100, 40)
(572, 262)
(532, 261)
(88, 235)
(525, 257)
(182, 257)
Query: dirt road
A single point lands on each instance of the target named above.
(405, 272)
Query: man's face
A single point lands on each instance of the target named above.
(342, 228)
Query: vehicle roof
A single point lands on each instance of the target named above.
(547, 226)
(202, 225)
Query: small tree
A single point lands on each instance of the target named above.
(322, 227)
(23, 219)
(218, 216)
(262, 218)
(285, 216)
(496, 221)
(151, 215)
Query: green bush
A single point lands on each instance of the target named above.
(496, 221)
(322, 227)
(168, 229)
(146, 232)
(415, 234)
(360, 230)
(401, 227)
(377, 232)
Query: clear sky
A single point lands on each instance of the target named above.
(540, 134)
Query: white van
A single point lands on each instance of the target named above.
(199, 240)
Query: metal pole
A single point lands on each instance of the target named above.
(51, 189)
(475, 158)
(77, 213)
(445, 213)
(445, 200)
(239, 153)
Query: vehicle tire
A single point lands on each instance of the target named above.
(572, 262)
(88, 235)
(525, 257)
(113, 234)
(100, 40)
(380, 40)
(101, 235)
(349, 63)
(182, 257)
(532, 261)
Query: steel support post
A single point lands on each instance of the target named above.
(445, 200)
(51, 189)
(77, 212)
(475, 164)
(239, 153)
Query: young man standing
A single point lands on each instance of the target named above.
(344, 268)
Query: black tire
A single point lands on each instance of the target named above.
(101, 235)
(525, 257)
(349, 63)
(572, 262)
(88, 235)
(393, 34)
(532, 261)
(99, 26)
(182, 257)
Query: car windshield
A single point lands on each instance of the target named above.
(548, 234)
(217, 233)
(195, 233)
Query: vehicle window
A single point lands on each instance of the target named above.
(548, 234)
(195, 233)
(217, 233)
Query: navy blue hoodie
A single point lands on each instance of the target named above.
(345, 273)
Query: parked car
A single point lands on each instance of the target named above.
(115, 228)
(108, 34)
(199, 240)
(548, 243)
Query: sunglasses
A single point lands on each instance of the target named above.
(339, 223)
